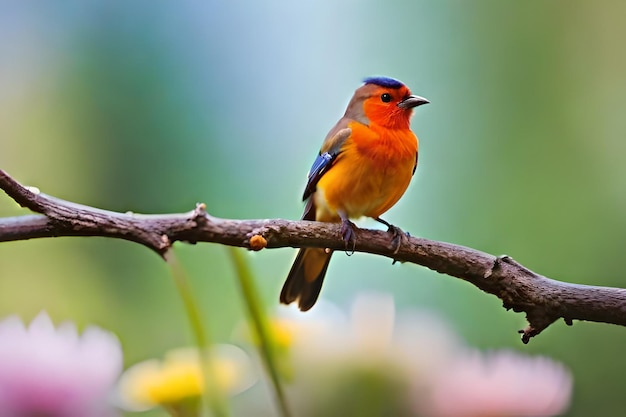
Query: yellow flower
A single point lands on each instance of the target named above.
(284, 333)
(177, 383)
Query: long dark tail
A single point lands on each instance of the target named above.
(305, 278)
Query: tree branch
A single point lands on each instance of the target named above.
(543, 300)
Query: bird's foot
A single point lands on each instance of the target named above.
(348, 233)
(397, 238)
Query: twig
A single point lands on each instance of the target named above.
(543, 300)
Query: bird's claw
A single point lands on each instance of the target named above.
(348, 234)
(398, 236)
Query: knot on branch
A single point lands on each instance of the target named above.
(538, 321)
(199, 214)
(497, 265)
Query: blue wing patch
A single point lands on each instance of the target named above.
(320, 166)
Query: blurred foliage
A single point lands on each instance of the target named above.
(151, 107)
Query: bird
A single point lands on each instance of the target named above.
(364, 166)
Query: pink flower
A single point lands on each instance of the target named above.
(56, 372)
(499, 384)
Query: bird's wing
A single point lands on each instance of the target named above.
(415, 166)
(327, 156)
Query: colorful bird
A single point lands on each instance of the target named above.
(364, 166)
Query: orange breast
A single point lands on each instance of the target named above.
(370, 174)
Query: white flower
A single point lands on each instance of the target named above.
(374, 333)
(364, 363)
(56, 372)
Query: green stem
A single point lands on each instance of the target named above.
(260, 323)
(215, 398)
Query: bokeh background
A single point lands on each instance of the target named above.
(152, 107)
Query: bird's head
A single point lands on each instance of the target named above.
(385, 102)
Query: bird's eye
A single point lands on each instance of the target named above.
(386, 98)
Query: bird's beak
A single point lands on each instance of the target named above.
(412, 101)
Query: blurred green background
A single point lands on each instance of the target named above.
(152, 107)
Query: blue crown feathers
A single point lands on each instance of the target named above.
(383, 82)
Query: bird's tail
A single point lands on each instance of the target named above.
(305, 278)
